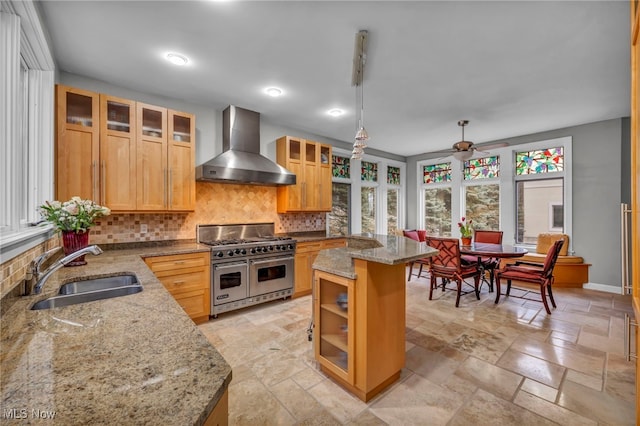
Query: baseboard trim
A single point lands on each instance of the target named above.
(603, 287)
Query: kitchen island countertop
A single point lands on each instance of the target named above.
(136, 359)
(386, 249)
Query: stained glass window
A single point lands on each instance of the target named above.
(540, 161)
(436, 173)
(393, 175)
(341, 167)
(481, 168)
(369, 172)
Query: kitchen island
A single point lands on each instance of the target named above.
(359, 310)
(136, 359)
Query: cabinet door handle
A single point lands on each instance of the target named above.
(164, 193)
(103, 184)
(94, 176)
(628, 323)
(179, 282)
(304, 194)
(170, 188)
(179, 262)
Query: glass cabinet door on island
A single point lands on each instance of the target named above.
(334, 324)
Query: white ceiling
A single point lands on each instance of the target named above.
(511, 68)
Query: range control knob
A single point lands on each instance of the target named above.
(230, 253)
(219, 254)
(237, 251)
(243, 251)
(290, 246)
(253, 250)
(270, 248)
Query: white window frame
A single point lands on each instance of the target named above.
(26, 43)
(479, 182)
(507, 180)
(381, 190)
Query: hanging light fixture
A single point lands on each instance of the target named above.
(357, 80)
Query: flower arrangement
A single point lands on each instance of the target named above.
(466, 229)
(75, 215)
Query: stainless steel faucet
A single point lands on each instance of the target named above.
(34, 274)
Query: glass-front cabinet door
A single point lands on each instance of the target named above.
(77, 144)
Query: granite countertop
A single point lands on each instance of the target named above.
(137, 359)
(387, 249)
(310, 236)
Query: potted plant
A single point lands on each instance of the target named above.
(73, 219)
(466, 231)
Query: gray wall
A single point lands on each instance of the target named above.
(598, 175)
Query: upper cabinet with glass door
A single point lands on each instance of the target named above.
(77, 144)
(311, 163)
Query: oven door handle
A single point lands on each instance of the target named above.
(271, 260)
(229, 265)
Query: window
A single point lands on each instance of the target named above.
(437, 208)
(339, 219)
(522, 190)
(539, 190)
(482, 192)
(26, 129)
(393, 195)
(371, 199)
(436, 196)
(368, 203)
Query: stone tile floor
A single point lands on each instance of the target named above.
(479, 364)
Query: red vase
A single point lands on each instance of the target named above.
(73, 241)
(466, 241)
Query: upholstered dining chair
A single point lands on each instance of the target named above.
(448, 265)
(416, 235)
(532, 273)
(488, 263)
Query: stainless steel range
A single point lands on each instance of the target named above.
(249, 264)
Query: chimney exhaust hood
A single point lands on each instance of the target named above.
(240, 161)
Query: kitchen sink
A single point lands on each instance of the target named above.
(90, 290)
(102, 283)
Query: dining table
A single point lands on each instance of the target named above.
(496, 251)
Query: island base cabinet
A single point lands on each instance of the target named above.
(362, 347)
(220, 414)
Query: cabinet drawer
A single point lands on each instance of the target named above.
(308, 247)
(329, 244)
(184, 280)
(175, 262)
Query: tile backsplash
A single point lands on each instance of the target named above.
(216, 203)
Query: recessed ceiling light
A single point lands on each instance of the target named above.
(177, 59)
(335, 112)
(273, 91)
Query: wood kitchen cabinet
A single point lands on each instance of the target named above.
(311, 163)
(166, 159)
(77, 148)
(117, 167)
(306, 253)
(126, 155)
(188, 278)
(360, 344)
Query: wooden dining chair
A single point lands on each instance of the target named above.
(448, 266)
(416, 235)
(488, 263)
(532, 273)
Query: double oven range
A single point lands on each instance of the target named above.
(249, 264)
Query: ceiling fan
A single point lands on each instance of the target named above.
(464, 150)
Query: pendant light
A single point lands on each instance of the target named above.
(357, 80)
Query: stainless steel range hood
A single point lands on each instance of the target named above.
(240, 161)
